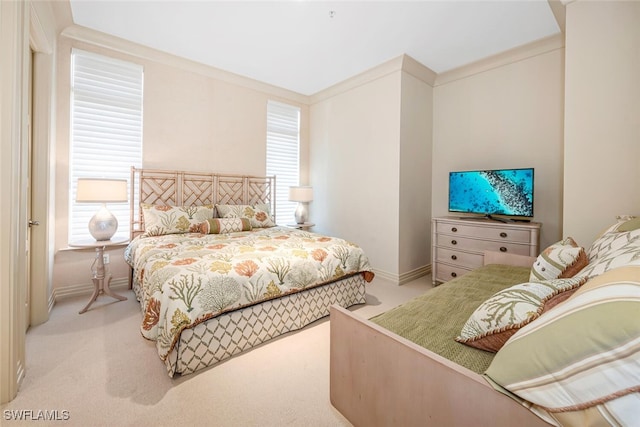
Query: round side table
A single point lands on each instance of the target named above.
(101, 278)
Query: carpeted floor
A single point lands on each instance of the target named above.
(95, 369)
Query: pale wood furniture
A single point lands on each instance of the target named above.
(378, 378)
(458, 244)
(101, 277)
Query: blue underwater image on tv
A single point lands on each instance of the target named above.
(489, 192)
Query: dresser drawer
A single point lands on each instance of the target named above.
(446, 272)
(482, 232)
(459, 242)
(454, 257)
(458, 245)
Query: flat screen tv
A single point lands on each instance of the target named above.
(492, 192)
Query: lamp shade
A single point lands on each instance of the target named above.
(95, 190)
(301, 194)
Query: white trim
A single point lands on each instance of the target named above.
(97, 38)
(401, 279)
(382, 70)
(42, 40)
(539, 47)
(14, 24)
(64, 292)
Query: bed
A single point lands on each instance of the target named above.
(215, 276)
(382, 373)
(575, 362)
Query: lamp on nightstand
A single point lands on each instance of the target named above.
(302, 195)
(103, 225)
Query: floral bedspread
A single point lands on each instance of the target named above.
(182, 280)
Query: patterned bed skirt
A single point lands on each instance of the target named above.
(226, 335)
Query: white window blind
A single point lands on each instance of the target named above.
(106, 131)
(283, 155)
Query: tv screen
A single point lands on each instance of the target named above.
(492, 192)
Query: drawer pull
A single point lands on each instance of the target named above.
(454, 242)
(454, 229)
(453, 274)
(453, 257)
(503, 249)
(503, 234)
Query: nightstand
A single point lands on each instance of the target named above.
(304, 226)
(101, 277)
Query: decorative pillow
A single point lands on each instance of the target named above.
(162, 219)
(631, 223)
(560, 260)
(499, 317)
(580, 361)
(259, 215)
(614, 237)
(222, 225)
(619, 250)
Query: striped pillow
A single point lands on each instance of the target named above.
(560, 260)
(223, 225)
(581, 360)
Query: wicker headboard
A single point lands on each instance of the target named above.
(178, 188)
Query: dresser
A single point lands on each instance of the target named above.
(459, 243)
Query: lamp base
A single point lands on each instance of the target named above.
(103, 224)
(301, 215)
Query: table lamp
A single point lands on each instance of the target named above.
(103, 225)
(302, 195)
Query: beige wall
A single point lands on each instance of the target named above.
(370, 165)
(195, 118)
(416, 128)
(354, 151)
(602, 110)
(510, 116)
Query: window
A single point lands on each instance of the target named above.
(283, 155)
(106, 131)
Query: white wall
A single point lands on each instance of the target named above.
(510, 116)
(602, 110)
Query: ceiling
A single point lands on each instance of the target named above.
(306, 45)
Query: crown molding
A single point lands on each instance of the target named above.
(103, 40)
(539, 47)
(559, 12)
(400, 63)
(41, 14)
(418, 70)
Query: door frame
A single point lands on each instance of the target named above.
(23, 24)
(42, 172)
(13, 116)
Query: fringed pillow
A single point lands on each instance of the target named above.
(560, 260)
(499, 317)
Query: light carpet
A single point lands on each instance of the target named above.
(96, 369)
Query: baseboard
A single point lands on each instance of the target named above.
(52, 301)
(401, 279)
(414, 274)
(86, 289)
